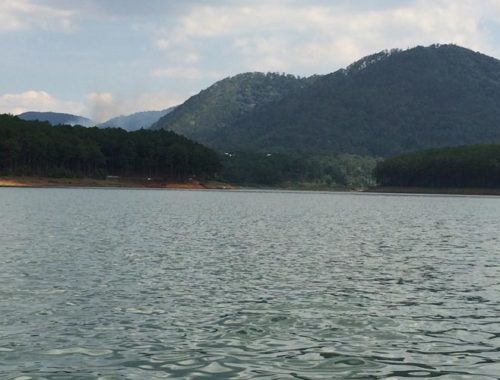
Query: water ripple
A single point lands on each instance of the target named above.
(118, 284)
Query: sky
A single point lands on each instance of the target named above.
(103, 58)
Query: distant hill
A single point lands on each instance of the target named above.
(220, 106)
(56, 118)
(384, 104)
(136, 121)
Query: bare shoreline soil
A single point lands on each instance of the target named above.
(111, 183)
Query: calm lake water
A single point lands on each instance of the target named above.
(138, 284)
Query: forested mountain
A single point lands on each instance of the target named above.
(220, 106)
(33, 148)
(384, 104)
(56, 118)
(465, 166)
(136, 120)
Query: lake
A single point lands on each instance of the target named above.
(146, 284)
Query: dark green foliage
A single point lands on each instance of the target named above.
(31, 148)
(295, 170)
(218, 107)
(469, 166)
(385, 104)
(262, 169)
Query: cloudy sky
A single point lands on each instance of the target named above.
(101, 58)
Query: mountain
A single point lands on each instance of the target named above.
(56, 118)
(221, 105)
(136, 121)
(384, 104)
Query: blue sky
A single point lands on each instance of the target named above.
(102, 58)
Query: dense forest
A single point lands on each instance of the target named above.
(33, 148)
(224, 103)
(382, 105)
(298, 171)
(467, 166)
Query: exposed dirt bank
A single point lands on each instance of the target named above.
(115, 182)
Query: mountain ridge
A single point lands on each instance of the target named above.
(56, 118)
(383, 104)
(136, 120)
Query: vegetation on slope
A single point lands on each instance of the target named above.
(466, 166)
(384, 104)
(298, 171)
(218, 107)
(32, 148)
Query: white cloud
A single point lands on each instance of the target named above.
(17, 15)
(34, 100)
(178, 72)
(99, 106)
(186, 72)
(311, 36)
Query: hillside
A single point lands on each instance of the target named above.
(381, 105)
(136, 120)
(56, 118)
(220, 106)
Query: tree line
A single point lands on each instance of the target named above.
(33, 148)
(298, 170)
(465, 166)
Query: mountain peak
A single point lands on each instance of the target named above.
(364, 62)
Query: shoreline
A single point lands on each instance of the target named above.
(123, 183)
(433, 191)
(128, 183)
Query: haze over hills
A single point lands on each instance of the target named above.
(136, 120)
(129, 123)
(384, 104)
(56, 118)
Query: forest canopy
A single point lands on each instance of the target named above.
(466, 166)
(33, 148)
